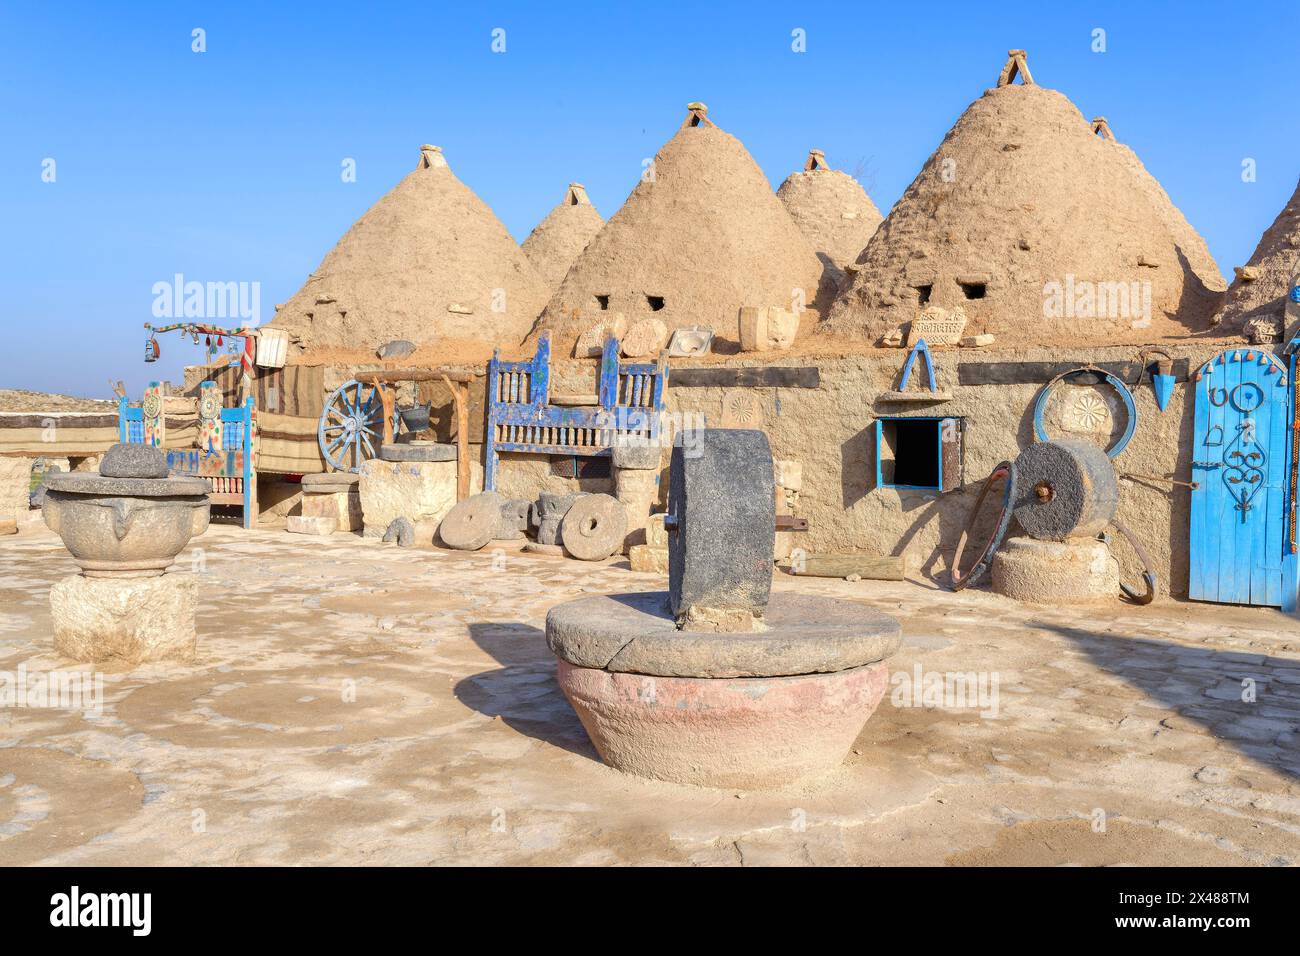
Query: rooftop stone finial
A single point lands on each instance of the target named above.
(1017, 63)
(431, 156)
(697, 114)
(577, 195)
(816, 161)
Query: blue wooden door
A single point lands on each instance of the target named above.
(1239, 458)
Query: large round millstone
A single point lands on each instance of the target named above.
(594, 527)
(722, 522)
(472, 523)
(1064, 489)
(637, 633)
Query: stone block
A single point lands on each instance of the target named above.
(1078, 571)
(343, 506)
(592, 341)
(767, 329)
(15, 490)
(938, 326)
(647, 559)
(640, 456)
(134, 619)
(722, 501)
(309, 524)
(788, 474)
(644, 338)
(416, 490)
(656, 536)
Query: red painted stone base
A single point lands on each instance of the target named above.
(744, 733)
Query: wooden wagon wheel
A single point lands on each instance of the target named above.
(351, 426)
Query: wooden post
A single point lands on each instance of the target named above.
(460, 394)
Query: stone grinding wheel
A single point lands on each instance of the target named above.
(472, 523)
(594, 527)
(1064, 489)
(721, 521)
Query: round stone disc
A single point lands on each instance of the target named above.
(637, 633)
(1064, 488)
(594, 528)
(471, 523)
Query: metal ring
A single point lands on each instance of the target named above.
(1007, 471)
(1148, 573)
(1040, 403)
(1258, 392)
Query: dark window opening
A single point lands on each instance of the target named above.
(910, 452)
(972, 290)
(923, 293)
(603, 302)
(656, 302)
(572, 466)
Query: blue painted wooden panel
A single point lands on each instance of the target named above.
(520, 417)
(1239, 457)
(1291, 540)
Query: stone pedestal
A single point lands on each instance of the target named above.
(418, 490)
(134, 619)
(642, 557)
(637, 491)
(333, 498)
(15, 486)
(750, 734)
(1074, 571)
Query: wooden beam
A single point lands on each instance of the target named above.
(875, 567)
(422, 375)
(797, 376)
(1040, 373)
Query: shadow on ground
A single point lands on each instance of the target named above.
(523, 692)
(1250, 700)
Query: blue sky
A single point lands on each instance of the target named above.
(225, 165)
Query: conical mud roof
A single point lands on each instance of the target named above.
(1262, 285)
(1040, 229)
(1189, 241)
(831, 208)
(559, 239)
(700, 236)
(428, 261)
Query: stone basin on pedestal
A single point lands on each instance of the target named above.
(124, 527)
(131, 518)
(718, 682)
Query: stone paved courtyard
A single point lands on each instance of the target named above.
(355, 703)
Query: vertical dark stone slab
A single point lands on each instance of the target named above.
(721, 503)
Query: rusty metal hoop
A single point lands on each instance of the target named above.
(1148, 573)
(1007, 472)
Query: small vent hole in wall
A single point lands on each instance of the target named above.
(656, 302)
(972, 290)
(603, 302)
(923, 293)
